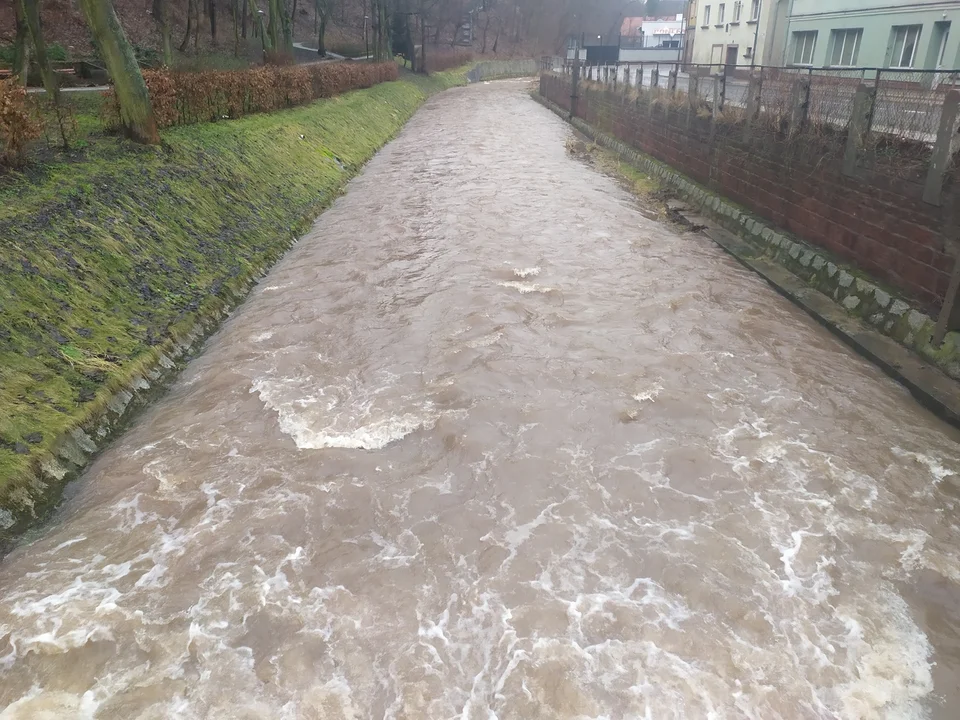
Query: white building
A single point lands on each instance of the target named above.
(735, 32)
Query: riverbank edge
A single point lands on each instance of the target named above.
(835, 294)
(30, 498)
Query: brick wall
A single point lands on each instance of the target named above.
(876, 220)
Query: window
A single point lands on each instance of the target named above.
(737, 8)
(706, 15)
(905, 41)
(846, 47)
(804, 43)
(721, 11)
(755, 10)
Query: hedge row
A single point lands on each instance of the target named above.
(185, 98)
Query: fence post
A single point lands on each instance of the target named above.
(615, 73)
(754, 90)
(799, 105)
(655, 76)
(863, 104)
(574, 88)
(718, 93)
(943, 149)
(693, 98)
(672, 79)
(950, 310)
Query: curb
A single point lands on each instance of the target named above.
(928, 383)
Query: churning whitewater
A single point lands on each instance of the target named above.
(490, 443)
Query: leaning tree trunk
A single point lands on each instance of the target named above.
(162, 16)
(31, 13)
(21, 45)
(286, 27)
(136, 113)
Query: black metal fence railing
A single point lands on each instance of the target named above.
(907, 103)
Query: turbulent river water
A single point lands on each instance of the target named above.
(490, 443)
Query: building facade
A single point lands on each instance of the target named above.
(734, 32)
(917, 35)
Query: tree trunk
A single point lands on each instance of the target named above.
(496, 40)
(286, 27)
(321, 34)
(273, 25)
(161, 15)
(293, 22)
(212, 12)
(259, 28)
(486, 26)
(411, 49)
(31, 13)
(186, 36)
(196, 24)
(243, 20)
(21, 45)
(423, 43)
(236, 28)
(136, 113)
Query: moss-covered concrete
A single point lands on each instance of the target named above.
(116, 260)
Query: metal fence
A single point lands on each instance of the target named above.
(907, 104)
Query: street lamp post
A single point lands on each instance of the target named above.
(366, 45)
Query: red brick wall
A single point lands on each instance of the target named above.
(875, 220)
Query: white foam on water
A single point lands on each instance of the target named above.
(51, 706)
(934, 465)
(340, 416)
(527, 272)
(524, 288)
(650, 393)
(891, 671)
(260, 337)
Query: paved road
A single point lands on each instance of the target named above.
(492, 442)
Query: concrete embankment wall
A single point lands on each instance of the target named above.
(869, 242)
(493, 69)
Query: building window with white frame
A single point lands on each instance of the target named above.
(737, 9)
(804, 45)
(721, 11)
(706, 15)
(904, 45)
(755, 9)
(846, 47)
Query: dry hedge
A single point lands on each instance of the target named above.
(18, 124)
(185, 98)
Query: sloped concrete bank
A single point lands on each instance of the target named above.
(877, 322)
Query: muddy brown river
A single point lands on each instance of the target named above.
(490, 443)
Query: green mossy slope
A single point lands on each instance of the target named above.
(107, 258)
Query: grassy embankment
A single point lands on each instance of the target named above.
(108, 255)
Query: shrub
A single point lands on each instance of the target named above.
(56, 53)
(18, 126)
(185, 98)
